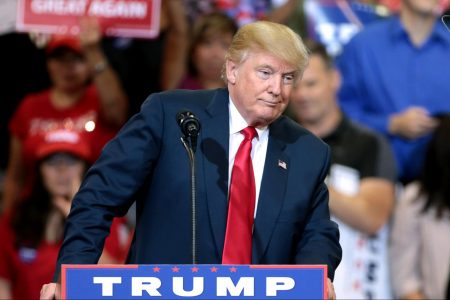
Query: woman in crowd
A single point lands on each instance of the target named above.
(32, 232)
(211, 37)
(85, 95)
(420, 245)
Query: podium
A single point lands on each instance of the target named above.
(194, 282)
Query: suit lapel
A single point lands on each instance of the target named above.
(214, 145)
(271, 194)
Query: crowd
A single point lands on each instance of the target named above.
(380, 103)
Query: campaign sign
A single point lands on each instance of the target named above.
(128, 18)
(334, 22)
(194, 281)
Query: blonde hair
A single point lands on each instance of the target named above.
(276, 39)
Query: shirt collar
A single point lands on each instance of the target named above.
(237, 122)
(397, 29)
(340, 129)
(439, 31)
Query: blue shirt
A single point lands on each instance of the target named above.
(384, 73)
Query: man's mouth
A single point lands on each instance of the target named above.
(270, 102)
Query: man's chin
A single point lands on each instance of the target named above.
(266, 120)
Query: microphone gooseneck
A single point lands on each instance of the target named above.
(190, 127)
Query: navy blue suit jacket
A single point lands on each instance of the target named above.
(147, 163)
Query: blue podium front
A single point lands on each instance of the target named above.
(194, 281)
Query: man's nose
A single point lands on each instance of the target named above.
(275, 85)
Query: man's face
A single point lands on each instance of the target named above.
(260, 87)
(422, 7)
(315, 95)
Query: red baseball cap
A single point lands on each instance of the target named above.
(66, 141)
(58, 41)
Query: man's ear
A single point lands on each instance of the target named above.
(336, 79)
(231, 70)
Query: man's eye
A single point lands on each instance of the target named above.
(288, 79)
(264, 73)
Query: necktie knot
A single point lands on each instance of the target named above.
(249, 133)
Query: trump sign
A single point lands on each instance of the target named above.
(131, 18)
(193, 281)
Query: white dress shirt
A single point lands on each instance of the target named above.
(259, 147)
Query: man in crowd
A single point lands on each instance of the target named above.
(360, 182)
(394, 80)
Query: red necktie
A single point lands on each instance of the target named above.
(241, 207)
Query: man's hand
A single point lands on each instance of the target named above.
(50, 291)
(331, 294)
(412, 123)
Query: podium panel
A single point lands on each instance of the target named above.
(194, 281)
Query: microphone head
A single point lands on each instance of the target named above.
(189, 124)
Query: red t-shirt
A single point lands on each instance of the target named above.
(118, 242)
(27, 269)
(36, 116)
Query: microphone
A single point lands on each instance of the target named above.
(189, 125)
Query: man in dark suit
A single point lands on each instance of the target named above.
(147, 163)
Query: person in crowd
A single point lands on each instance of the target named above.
(17, 53)
(181, 15)
(85, 95)
(420, 241)
(268, 205)
(394, 80)
(32, 232)
(211, 37)
(361, 179)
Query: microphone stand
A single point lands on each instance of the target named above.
(191, 153)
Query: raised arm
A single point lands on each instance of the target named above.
(176, 45)
(113, 99)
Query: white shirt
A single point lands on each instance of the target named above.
(259, 147)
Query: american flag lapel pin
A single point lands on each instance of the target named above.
(282, 164)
